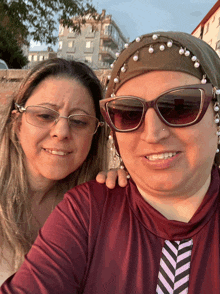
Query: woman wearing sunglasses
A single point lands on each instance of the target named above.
(160, 234)
(51, 140)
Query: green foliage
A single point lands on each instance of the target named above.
(10, 50)
(35, 19)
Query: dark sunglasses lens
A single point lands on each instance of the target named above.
(180, 107)
(125, 113)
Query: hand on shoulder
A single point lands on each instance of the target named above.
(111, 176)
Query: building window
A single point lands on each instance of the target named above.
(108, 29)
(41, 58)
(35, 57)
(30, 57)
(60, 44)
(88, 44)
(207, 28)
(70, 44)
(88, 59)
(217, 46)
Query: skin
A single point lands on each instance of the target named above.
(175, 186)
(67, 96)
(42, 166)
(111, 177)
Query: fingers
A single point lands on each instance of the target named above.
(111, 179)
(122, 177)
(101, 177)
(111, 176)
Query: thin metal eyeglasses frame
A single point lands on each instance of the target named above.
(208, 89)
(23, 109)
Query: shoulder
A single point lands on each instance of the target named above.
(93, 194)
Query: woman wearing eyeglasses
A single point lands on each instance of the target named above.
(160, 234)
(51, 140)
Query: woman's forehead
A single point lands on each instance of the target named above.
(155, 83)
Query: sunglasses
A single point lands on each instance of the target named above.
(178, 107)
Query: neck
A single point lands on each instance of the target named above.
(180, 208)
(40, 188)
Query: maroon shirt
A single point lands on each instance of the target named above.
(99, 241)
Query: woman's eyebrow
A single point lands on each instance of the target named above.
(46, 104)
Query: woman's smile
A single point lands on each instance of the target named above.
(57, 152)
(161, 156)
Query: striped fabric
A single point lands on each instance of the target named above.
(173, 277)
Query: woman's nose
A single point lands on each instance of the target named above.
(61, 129)
(153, 129)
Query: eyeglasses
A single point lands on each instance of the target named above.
(178, 107)
(43, 117)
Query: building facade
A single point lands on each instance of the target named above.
(209, 28)
(36, 56)
(97, 44)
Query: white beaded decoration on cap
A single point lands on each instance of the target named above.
(123, 69)
(117, 54)
(217, 121)
(138, 39)
(126, 45)
(170, 43)
(196, 64)
(112, 95)
(109, 77)
(204, 81)
(155, 37)
(194, 58)
(116, 80)
(162, 47)
(135, 57)
(187, 53)
(216, 106)
(112, 65)
(181, 51)
(151, 49)
(217, 91)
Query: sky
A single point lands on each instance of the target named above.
(138, 17)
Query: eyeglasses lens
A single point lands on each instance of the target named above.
(40, 116)
(83, 123)
(43, 117)
(125, 113)
(179, 107)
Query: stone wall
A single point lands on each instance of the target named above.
(10, 80)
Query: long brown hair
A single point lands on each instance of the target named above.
(15, 212)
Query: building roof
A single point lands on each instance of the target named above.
(208, 15)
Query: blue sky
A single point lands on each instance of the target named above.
(137, 17)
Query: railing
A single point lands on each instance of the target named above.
(109, 50)
(108, 34)
(102, 64)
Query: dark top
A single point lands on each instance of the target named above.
(99, 241)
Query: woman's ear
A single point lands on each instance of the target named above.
(16, 121)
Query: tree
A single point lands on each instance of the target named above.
(36, 19)
(10, 50)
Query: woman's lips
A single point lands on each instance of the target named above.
(56, 152)
(161, 156)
